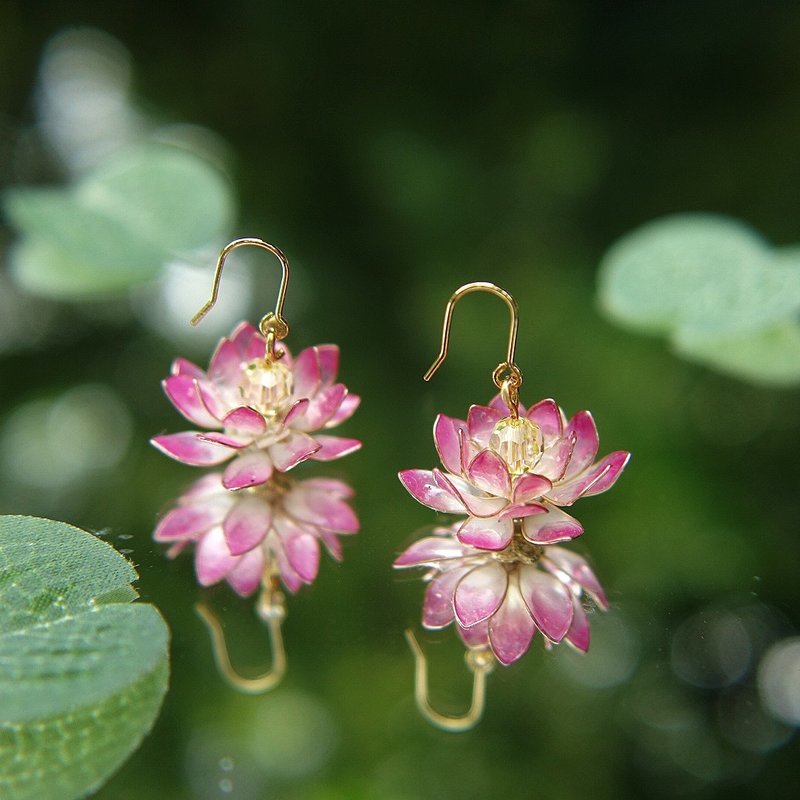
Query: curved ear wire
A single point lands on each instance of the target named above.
(272, 325)
(271, 610)
(480, 662)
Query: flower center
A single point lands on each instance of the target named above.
(266, 386)
(518, 442)
(519, 550)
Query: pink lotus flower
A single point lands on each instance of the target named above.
(508, 474)
(273, 528)
(498, 599)
(260, 414)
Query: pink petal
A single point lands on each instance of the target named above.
(336, 487)
(554, 526)
(187, 522)
(445, 436)
(185, 396)
(301, 547)
(511, 627)
(549, 417)
(430, 550)
(578, 634)
(437, 610)
(182, 366)
(212, 559)
(556, 458)
(498, 404)
(481, 421)
(576, 567)
(191, 448)
(226, 364)
(548, 600)
(489, 472)
(328, 355)
(595, 480)
(291, 580)
(528, 488)
(250, 469)
(332, 543)
(321, 508)
(422, 487)
(205, 487)
(307, 373)
(486, 534)
(292, 450)
(209, 395)
(245, 577)
(246, 421)
(475, 504)
(479, 593)
(334, 447)
(346, 410)
(247, 524)
(242, 335)
(584, 431)
(476, 636)
(255, 349)
(236, 442)
(297, 410)
(522, 510)
(322, 407)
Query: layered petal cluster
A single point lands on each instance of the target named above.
(499, 600)
(273, 528)
(500, 472)
(259, 415)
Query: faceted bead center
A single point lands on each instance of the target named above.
(518, 442)
(267, 385)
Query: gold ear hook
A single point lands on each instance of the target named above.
(506, 376)
(480, 662)
(272, 612)
(272, 325)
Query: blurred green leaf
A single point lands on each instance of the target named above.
(119, 225)
(82, 669)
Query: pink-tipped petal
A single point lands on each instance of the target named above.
(548, 600)
(479, 593)
(522, 510)
(187, 522)
(182, 366)
(302, 551)
(498, 404)
(250, 469)
(555, 459)
(346, 410)
(578, 634)
(511, 627)
(226, 364)
(486, 534)
(292, 450)
(333, 447)
(245, 421)
(321, 508)
(297, 411)
(437, 609)
(595, 480)
(332, 543)
(211, 399)
(576, 568)
(242, 334)
(584, 431)
(480, 423)
(528, 488)
(430, 550)
(212, 559)
(245, 577)
(477, 505)
(554, 526)
(336, 487)
(192, 448)
(247, 524)
(422, 487)
(236, 442)
(489, 472)
(184, 394)
(322, 407)
(476, 636)
(549, 417)
(307, 374)
(445, 436)
(205, 487)
(291, 579)
(328, 355)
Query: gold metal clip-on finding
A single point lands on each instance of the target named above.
(271, 608)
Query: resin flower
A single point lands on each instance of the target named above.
(499, 599)
(260, 414)
(508, 473)
(273, 528)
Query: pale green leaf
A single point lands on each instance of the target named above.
(83, 670)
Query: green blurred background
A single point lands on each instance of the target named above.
(395, 151)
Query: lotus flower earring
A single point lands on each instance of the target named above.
(261, 412)
(499, 572)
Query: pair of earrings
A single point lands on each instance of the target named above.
(498, 573)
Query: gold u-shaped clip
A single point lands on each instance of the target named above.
(273, 325)
(271, 610)
(480, 662)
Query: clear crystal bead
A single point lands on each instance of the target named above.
(267, 385)
(518, 442)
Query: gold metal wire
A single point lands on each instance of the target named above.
(480, 662)
(272, 325)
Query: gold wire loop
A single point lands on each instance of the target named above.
(271, 610)
(480, 662)
(491, 288)
(273, 326)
